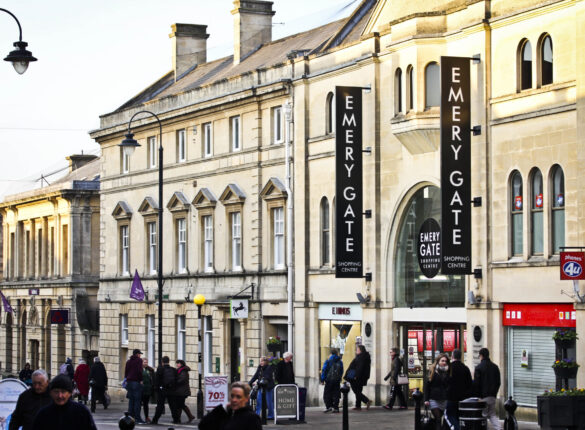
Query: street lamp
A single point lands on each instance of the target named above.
(199, 300)
(128, 145)
(19, 57)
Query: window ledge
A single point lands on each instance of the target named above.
(533, 261)
(325, 270)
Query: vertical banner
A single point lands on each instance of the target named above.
(348, 183)
(455, 166)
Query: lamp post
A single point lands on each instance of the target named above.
(199, 300)
(19, 57)
(129, 145)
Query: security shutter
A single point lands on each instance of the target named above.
(525, 383)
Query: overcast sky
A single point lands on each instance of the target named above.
(95, 55)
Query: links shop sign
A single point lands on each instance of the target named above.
(455, 166)
(348, 182)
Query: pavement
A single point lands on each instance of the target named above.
(377, 418)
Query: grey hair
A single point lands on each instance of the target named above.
(287, 354)
(40, 372)
(96, 359)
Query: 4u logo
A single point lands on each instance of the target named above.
(572, 269)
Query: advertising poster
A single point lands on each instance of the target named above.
(216, 391)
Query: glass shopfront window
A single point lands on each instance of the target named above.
(412, 288)
(341, 335)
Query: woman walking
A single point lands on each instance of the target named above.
(81, 378)
(437, 386)
(183, 391)
(358, 374)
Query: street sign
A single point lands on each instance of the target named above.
(286, 403)
(216, 391)
(238, 308)
(572, 264)
(59, 316)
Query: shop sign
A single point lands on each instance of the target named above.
(429, 248)
(539, 315)
(33, 291)
(348, 182)
(286, 402)
(455, 166)
(238, 308)
(572, 265)
(216, 391)
(449, 338)
(59, 316)
(340, 311)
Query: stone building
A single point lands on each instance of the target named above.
(50, 249)
(227, 198)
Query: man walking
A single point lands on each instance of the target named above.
(486, 383)
(31, 401)
(133, 375)
(395, 389)
(98, 379)
(166, 383)
(331, 374)
(459, 388)
(285, 373)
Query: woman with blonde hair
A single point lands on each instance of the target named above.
(437, 385)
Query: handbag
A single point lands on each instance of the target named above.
(107, 399)
(402, 379)
(427, 421)
(350, 375)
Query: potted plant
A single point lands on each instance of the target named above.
(274, 344)
(565, 368)
(562, 409)
(565, 337)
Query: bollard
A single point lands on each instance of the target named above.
(126, 422)
(262, 383)
(417, 395)
(510, 422)
(344, 390)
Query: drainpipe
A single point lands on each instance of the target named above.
(288, 106)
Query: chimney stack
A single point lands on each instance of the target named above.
(79, 160)
(189, 45)
(252, 26)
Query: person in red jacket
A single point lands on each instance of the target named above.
(81, 378)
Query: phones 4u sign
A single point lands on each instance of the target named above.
(572, 264)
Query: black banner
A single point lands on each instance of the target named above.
(348, 183)
(455, 166)
(429, 248)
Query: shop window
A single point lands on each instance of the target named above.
(536, 213)
(516, 208)
(557, 208)
(325, 233)
(330, 113)
(546, 60)
(432, 85)
(398, 91)
(524, 65)
(341, 335)
(409, 88)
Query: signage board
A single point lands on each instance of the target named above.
(33, 291)
(572, 265)
(59, 316)
(348, 183)
(539, 315)
(10, 389)
(286, 402)
(455, 166)
(238, 308)
(429, 248)
(216, 391)
(340, 311)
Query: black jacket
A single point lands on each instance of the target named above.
(285, 373)
(98, 374)
(28, 405)
(486, 379)
(166, 379)
(266, 372)
(183, 382)
(71, 416)
(437, 386)
(460, 384)
(361, 364)
(220, 419)
(395, 370)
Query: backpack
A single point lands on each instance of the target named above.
(334, 372)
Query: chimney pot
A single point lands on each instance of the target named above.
(189, 46)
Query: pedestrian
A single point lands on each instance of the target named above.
(285, 373)
(67, 368)
(63, 413)
(265, 372)
(98, 379)
(165, 385)
(358, 373)
(25, 375)
(459, 388)
(81, 378)
(331, 375)
(147, 387)
(183, 390)
(436, 389)
(396, 367)
(239, 416)
(31, 401)
(486, 383)
(133, 375)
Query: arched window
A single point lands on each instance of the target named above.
(432, 85)
(546, 61)
(330, 114)
(325, 233)
(516, 206)
(398, 91)
(557, 208)
(525, 64)
(409, 88)
(536, 212)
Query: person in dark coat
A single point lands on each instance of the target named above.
(63, 413)
(183, 391)
(239, 416)
(147, 387)
(358, 373)
(25, 375)
(459, 388)
(486, 383)
(436, 389)
(285, 373)
(165, 386)
(395, 389)
(265, 371)
(81, 378)
(133, 375)
(331, 375)
(98, 379)
(31, 401)
(67, 368)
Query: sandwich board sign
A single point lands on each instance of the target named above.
(10, 389)
(286, 402)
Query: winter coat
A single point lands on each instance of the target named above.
(361, 364)
(147, 381)
(166, 379)
(99, 375)
(240, 419)
(133, 371)
(70, 416)
(460, 383)
(28, 405)
(25, 375)
(182, 388)
(327, 365)
(437, 386)
(395, 370)
(285, 373)
(81, 378)
(486, 379)
(266, 372)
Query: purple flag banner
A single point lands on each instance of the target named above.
(5, 304)
(137, 292)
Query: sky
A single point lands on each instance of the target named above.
(95, 55)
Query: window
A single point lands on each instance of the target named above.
(150, 338)
(277, 129)
(330, 114)
(207, 140)
(536, 213)
(278, 237)
(208, 345)
(151, 227)
(546, 61)
(124, 329)
(181, 146)
(125, 161)
(181, 245)
(235, 133)
(124, 250)
(152, 152)
(65, 249)
(558, 209)
(398, 91)
(236, 222)
(325, 233)
(525, 65)
(432, 85)
(181, 337)
(410, 88)
(516, 207)
(208, 243)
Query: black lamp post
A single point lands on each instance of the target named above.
(19, 57)
(129, 145)
(199, 300)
